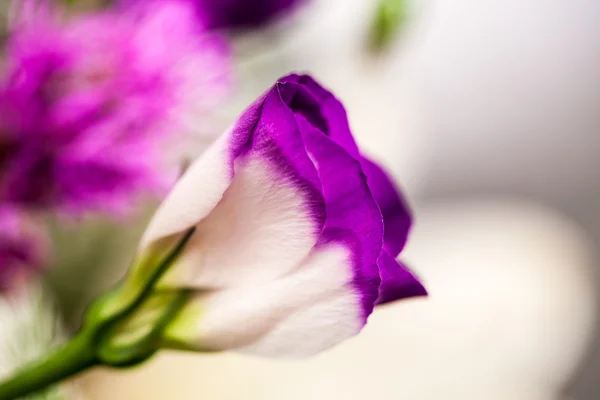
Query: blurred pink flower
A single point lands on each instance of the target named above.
(90, 105)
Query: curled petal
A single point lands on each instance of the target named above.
(396, 217)
(353, 219)
(324, 110)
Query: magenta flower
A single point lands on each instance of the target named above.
(21, 247)
(296, 232)
(90, 105)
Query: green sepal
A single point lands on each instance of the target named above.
(145, 272)
(129, 320)
(135, 339)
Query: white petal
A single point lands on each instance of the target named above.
(298, 315)
(195, 195)
(312, 330)
(262, 228)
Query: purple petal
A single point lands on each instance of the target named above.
(396, 216)
(327, 113)
(353, 217)
(325, 108)
(397, 282)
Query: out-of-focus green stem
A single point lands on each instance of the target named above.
(94, 344)
(389, 17)
(74, 357)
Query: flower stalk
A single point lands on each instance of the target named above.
(74, 357)
(108, 336)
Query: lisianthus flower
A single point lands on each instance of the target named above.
(89, 105)
(21, 247)
(295, 236)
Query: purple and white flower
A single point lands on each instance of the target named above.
(90, 105)
(296, 232)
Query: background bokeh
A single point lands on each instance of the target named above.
(487, 113)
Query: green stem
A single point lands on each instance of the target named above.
(74, 357)
(92, 345)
